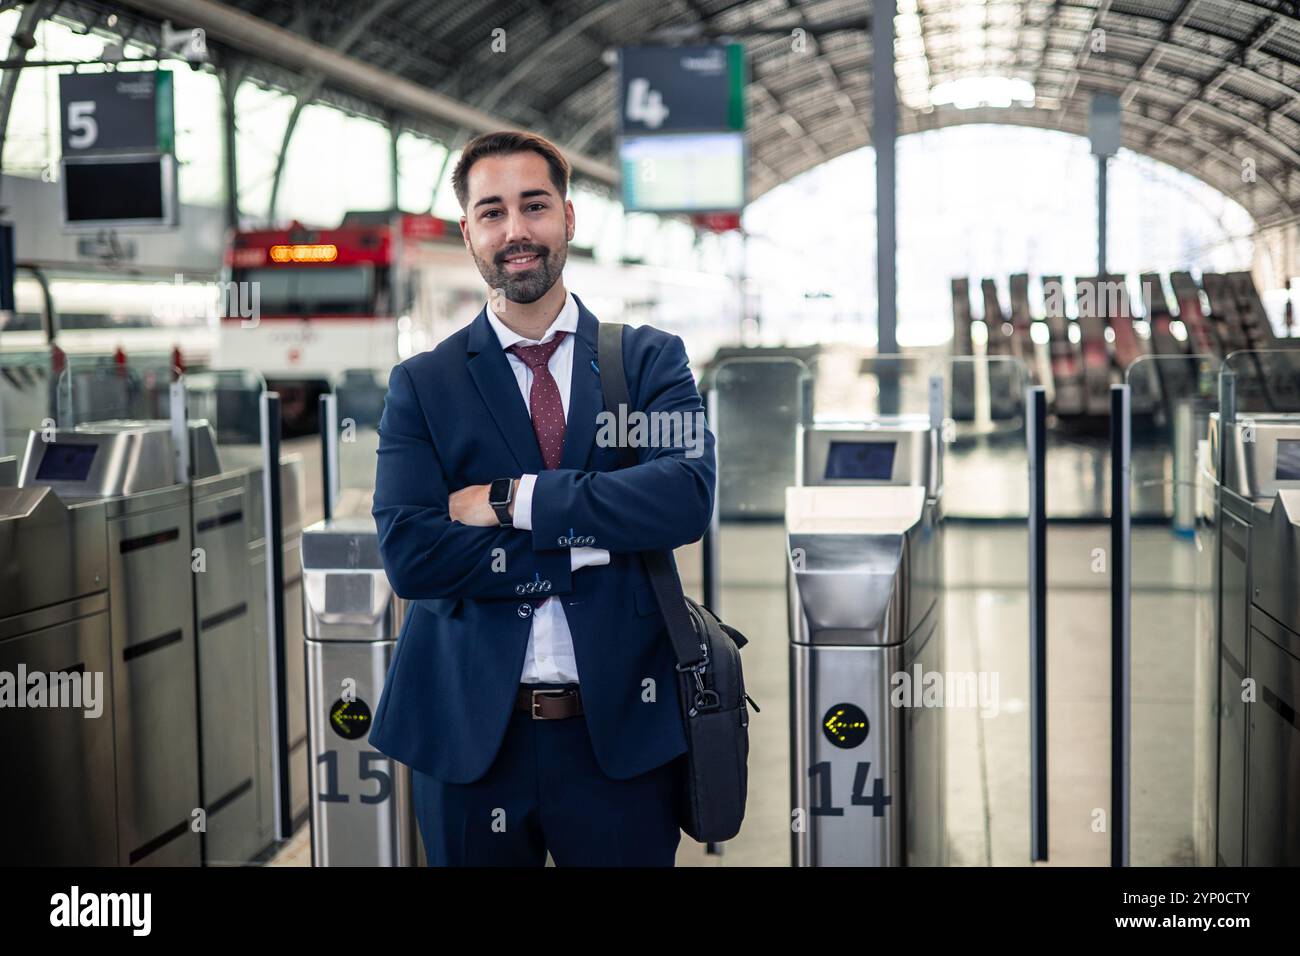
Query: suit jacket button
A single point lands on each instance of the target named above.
(525, 610)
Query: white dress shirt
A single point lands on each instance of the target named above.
(549, 658)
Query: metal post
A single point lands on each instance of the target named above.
(884, 133)
(712, 550)
(230, 81)
(1121, 724)
(180, 430)
(1103, 164)
(1036, 441)
(394, 165)
(329, 446)
(937, 410)
(274, 518)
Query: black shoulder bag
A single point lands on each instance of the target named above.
(710, 684)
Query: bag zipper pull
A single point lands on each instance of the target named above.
(752, 704)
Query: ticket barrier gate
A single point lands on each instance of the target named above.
(1258, 521)
(864, 535)
(120, 478)
(54, 619)
(362, 812)
(130, 573)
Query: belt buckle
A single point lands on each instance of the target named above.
(553, 692)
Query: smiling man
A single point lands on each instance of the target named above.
(533, 690)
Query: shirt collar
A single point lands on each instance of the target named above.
(566, 321)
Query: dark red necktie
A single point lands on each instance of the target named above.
(544, 403)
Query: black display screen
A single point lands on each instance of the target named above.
(860, 461)
(66, 462)
(109, 191)
(1288, 460)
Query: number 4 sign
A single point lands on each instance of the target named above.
(645, 105)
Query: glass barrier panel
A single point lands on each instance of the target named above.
(1173, 675)
(229, 399)
(759, 404)
(986, 463)
(851, 387)
(359, 395)
(100, 390)
(986, 610)
(27, 403)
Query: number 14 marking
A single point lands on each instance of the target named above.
(878, 799)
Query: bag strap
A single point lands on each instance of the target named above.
(658, 564)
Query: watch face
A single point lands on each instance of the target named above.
(499, 493)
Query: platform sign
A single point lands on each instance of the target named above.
(681, 88)
(118, 135)
(119, 112)
(681, 123)
(1104, 124)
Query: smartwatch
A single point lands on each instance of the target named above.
(500, 493)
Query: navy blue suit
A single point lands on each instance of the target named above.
(454, 417)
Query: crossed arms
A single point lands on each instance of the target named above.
(662, 502)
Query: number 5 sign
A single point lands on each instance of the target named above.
(117, 112)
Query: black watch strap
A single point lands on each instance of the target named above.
(500, 494)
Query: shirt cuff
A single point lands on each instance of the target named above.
(523, 517)
(587, 557)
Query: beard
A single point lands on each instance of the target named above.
(529, 285)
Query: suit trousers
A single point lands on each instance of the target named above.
(545, 792)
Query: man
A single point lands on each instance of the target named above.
(533, 690)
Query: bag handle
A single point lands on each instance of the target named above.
(687, 645)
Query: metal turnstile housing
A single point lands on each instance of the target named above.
(361, 804)
(865, 602)
(1258, 522)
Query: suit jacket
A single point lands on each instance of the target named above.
(454, 417)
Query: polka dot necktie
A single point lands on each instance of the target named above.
(544, 403)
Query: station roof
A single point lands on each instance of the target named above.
(1209, 86)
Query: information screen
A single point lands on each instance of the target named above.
(860, 461)
(115, 191)
(66, 462)
(1288, 460)
(686, 172)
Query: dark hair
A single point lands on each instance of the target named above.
(503, 143)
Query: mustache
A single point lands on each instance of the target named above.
(505, 254)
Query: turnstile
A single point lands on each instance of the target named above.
(59, 803)
(864, 535)
(175, 613)
(1258, 522)
(361, 805)
(127, 469)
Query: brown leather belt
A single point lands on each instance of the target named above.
(549, 703)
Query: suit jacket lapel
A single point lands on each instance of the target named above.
(490, 369)
(585, 398)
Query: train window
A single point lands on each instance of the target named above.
(314, 290)
(83, 302)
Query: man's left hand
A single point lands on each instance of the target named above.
(470, 506)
